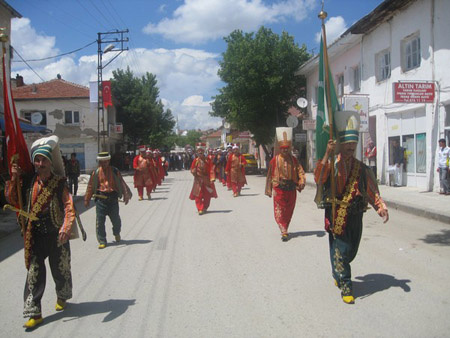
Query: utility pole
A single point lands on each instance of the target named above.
(115, 40)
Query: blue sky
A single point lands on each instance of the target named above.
(180, 41)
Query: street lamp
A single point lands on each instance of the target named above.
(110, 47)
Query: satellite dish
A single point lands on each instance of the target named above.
(302, 102)
(36, 118)
(292, 121)
(226, 125)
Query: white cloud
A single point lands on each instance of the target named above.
(334, 26)
(199, 21)
(193, 113)
(183, 75)
(29, 43)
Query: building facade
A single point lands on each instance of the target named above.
(400, 44)
(65, 108)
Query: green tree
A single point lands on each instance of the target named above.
(261, 85)
(140, 110)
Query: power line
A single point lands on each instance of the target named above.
(56, 56)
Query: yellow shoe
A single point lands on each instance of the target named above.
(102, 246)
(348, 299)
(117, 237)
(140, 198)
(336, 283)
(33, 322)
(60, 304)
(200, 212)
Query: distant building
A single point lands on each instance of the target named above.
(64, 108)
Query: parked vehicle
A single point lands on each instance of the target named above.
(252, 165)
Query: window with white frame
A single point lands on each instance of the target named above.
(356, 72)
(411, 52)
(340, 84)
(71, 117)
(383, 65)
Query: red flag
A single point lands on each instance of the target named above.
(16, 148)
(107, 100)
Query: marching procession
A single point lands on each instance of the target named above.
(48, 217)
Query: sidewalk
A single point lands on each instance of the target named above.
(429, 205)
(426, 204)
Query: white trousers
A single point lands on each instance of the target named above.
(397, 172)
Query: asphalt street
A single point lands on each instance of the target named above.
(227, 274)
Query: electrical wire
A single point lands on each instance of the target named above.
(56, 56)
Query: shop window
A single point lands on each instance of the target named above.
(392, 141)
(447, 115)
(410, 158)
(421, 153)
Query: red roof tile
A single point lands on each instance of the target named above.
(53, 89)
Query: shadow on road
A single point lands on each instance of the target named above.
(218, 211)
(441, 239)
(244, 195)
(307, 233)
(130, 242)
(158, 198)
(367, 285)
(113, 308)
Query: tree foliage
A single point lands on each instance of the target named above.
(261, 85)
(140, 110)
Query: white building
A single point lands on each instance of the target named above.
(64, 108)
(404, 41)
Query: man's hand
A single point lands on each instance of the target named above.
(15, 171)
(301, 187)
(63, 237)
(384, 214)
(126, 200)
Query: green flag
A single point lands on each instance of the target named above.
(322, 120)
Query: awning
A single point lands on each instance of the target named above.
(27, 127)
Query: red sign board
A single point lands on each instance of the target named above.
(414, 92)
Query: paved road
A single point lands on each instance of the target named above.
(227, 274)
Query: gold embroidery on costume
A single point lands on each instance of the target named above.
(349, 194)
(338, 261)
(64, 267)
(30, 307)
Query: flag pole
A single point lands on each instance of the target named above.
(323, 15)
(15, 158)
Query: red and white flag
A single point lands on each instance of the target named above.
(16, 148)
(107, 100)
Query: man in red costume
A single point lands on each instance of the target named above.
(142, 177)
(284, 178)
(203, 189)
(236, 171)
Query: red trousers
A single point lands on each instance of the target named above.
(202, 201)
(283, 207)
(236, 187)
(141, 190)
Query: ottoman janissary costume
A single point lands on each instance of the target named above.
(356, 186)
(49, 223)
(284, 178)
(236, 171)
(203, 189)
(107, 186)
(142, 176)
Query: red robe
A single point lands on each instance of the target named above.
(203, 189)
(235, 170)
(282, 169)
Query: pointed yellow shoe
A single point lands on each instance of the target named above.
(335, 283)
(102, 246)
(140, 198)
(60, 305)
(200, 212)
(348, 299)
(33, 322)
